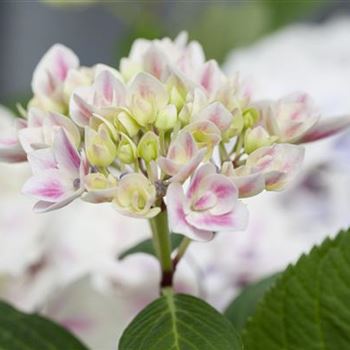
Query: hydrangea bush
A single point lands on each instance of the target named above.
(167, 137)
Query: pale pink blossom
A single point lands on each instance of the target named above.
(269, 167)
(209, 205)
(105, 96)
(182, 159)
(49, 77)
(161, 57)
(216, 113)
(58, 174)
(41, 128)
(290, 117)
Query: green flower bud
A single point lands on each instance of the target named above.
(148, 147)
(125, 123)
(235, 128)
(257, 138)
(100, 148)
(251, 117)
(127, 152)
(98, 181)
(167, 118)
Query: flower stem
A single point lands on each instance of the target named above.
(162, 245)
(181, 250)
(223, 153)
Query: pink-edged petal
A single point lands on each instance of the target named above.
(49, 186)
(36, 117)
(295, 114)
(209, 129)
(168, 166)
(84, 165)
(205, 201)
(52, 69)
(155, 62)
(218, 114)
(44, 207)
(224, 190)
(42, 160)
(66, 155)
(249, 185)
(80, 110)
(198, 178)
(278, 163)
(234, 220)
(109, 90)
(146, 87)
(55, 120)
(187, 169)
(176, 200)
(277, 180)
(325, 128)
(183, 147)
(211, 77)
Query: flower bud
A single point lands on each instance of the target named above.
(100, 148)
(256, 138)
(125, 123)
(135, 196)
(176, 98)
(177, 91)
(235, 128)
(98, 181)
(167, 118)
(251, 117)
(147, 97)
(148, 147)
(185, 113)
(127, 152)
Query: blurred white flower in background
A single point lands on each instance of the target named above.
(65, 265)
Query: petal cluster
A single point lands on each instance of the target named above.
(167, 130)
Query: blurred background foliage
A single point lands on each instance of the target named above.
(102, 31)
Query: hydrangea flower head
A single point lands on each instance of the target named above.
(168, 130)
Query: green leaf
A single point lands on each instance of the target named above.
(179, 322)
(308, 308)
(146, 246)
(20, 331)
(244, 305)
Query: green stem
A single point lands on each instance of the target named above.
(162, 245)
(181, 250)
(223, 153)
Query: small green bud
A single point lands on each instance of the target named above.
(256, 138)
(167, 118)
(100, 148)
(235, 128)
(125, 123)
(127, 152)
(251, 117)
(148, 147)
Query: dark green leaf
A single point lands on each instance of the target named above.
(246, 302)
(146, 246)
(308, 308)
(179, 322)
(20, 331)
